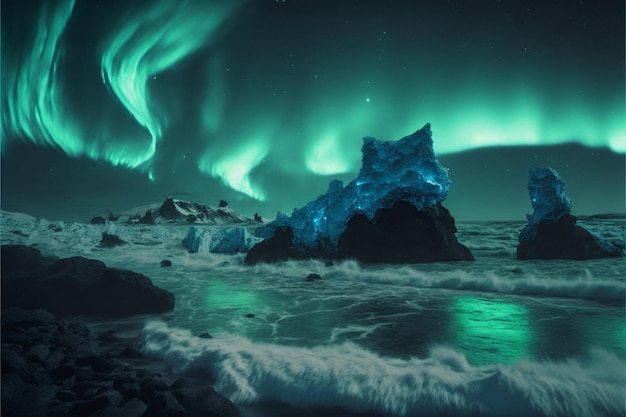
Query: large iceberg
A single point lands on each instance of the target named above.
(405, 170)
(552, 232)
(392, 171)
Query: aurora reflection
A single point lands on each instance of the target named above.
(488, 328)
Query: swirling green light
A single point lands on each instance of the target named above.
(149, 40)
(307, 121)
(234, 167)
(152, 41)
(32, 100)
(35, 102)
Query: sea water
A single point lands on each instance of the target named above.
(496, 336)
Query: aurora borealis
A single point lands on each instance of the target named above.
(264, 102)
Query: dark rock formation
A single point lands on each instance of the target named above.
(77, 286)
(400, 234)
(403, 234)
(202, 401)
(223, 203)
(168, 210)
(564, 239)
(97, 220)
(111, 241)
(20, 260)
(165, 263)
(53, 368)
(552, 232)
(258, 218)
(312, 277)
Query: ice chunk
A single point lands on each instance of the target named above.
(392, 171)
(547, 195)
(219, 240)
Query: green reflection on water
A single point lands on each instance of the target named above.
(221, 295)
(490, 331)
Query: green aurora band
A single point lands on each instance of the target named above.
(312, 125)
(31, 95)
(148, 44)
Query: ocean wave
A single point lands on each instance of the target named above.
(542, 280)
(583, 286)
(360, 381)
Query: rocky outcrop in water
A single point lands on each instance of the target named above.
(564, 239)
(552, 232)
(400, 234)
(403, 234)
(391, 213)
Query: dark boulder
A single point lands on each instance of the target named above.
(79, 286)
(223, 203)
(165, 263)
(403, 234)
(563, 239)
(164, 405)
(97, 220)
(20, 259)
(313, 277)
(203, 401)
(110, 241)
(89, 407)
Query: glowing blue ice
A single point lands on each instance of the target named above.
(547, 195)
(392, 171)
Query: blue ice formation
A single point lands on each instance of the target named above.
(552, 232)
(219, 240)
(391, 171)
(547, 195)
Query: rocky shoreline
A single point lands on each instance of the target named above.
(56, 367)
(53, 366)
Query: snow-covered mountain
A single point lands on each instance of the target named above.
(178, 211)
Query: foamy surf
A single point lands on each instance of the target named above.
(544, 281)
(360, 381)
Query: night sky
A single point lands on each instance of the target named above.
(107, 105)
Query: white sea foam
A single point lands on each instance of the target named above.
(543, 280)
(358, 380)
(583, 286)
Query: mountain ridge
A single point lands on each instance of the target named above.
(176, 211)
